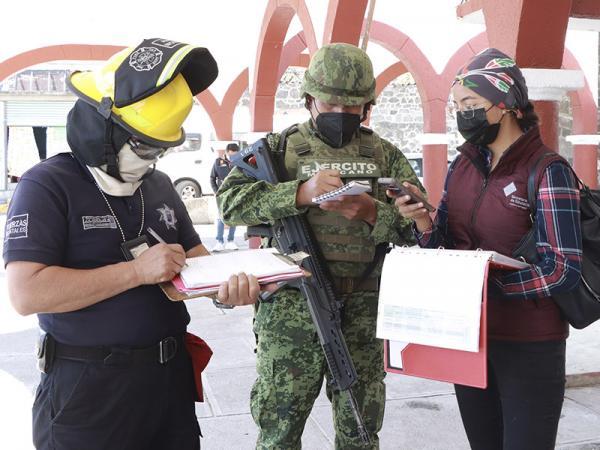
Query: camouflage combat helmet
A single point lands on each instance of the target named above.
(340, 74)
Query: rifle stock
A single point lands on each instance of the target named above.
(295, 234)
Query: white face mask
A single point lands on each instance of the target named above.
(131, 167)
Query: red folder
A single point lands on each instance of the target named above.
(441, 364)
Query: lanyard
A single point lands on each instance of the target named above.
(115, 216)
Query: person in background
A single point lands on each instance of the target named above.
(484, 205)
(117, 370)
(220, 170)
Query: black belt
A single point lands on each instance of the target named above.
(162, 352)
(348, 285)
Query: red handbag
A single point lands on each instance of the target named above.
(200, 354)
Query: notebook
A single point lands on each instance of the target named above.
(265, 264)
(355, 187)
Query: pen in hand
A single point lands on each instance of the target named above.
(156, 236)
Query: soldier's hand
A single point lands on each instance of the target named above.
(159, 263)
(414, 211)
(353, 207)
(241, 289)
(323, 181)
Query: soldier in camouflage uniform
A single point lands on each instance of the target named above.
(320, 155)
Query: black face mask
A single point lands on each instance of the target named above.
(477, 130)
(337, 128)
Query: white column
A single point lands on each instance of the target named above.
(552, 84)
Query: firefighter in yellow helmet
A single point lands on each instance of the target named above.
(116, 361)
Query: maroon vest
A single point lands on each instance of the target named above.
(492, 213)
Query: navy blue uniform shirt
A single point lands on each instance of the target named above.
(58, 217)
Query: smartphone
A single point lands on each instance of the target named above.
(399, 190)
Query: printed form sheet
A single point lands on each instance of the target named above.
(432, 297)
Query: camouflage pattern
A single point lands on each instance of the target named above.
(291, 368)
(340, 74)
(290, 362)
(345, 243)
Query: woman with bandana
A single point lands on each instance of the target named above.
(484, 205)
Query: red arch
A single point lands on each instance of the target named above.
(344, 21)
(221, 115)
(385, 78)
(276, 22)
(292, 55)
(417, 64)
(56, 52)
(388, 75)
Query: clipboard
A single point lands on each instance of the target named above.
(442, 364)
(450, 364)
(176, 294)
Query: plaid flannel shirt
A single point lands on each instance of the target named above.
(558, 238)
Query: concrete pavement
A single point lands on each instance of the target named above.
(420, 414)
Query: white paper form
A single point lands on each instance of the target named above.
(211, 270)
(432, 297)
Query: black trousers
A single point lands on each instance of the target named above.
(90, 405)
(521, 406)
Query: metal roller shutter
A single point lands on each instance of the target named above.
(36, 113)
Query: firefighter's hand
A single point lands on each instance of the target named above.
(159, 263)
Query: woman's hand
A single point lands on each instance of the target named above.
(414, 211)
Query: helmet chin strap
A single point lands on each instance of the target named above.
(112, 163)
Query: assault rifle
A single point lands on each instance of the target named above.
(294, 234)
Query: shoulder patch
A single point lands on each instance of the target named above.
(17, 227)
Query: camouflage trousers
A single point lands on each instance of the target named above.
(291, 368)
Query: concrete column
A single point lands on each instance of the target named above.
(547, 111)
(435, 164)
(546, 89)
(3, 151)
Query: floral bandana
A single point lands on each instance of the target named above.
(496, 77)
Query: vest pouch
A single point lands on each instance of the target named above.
(341, 239)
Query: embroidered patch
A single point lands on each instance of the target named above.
(365, 169)
(167, 215)
(17, 227)
(509, 189)
(145, 58)
(92, 222)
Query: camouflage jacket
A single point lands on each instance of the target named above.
(244, 201)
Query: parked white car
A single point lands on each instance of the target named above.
(189, 167)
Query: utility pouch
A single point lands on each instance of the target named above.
(45, 352)
(200, 354)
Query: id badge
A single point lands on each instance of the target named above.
(135, 247)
